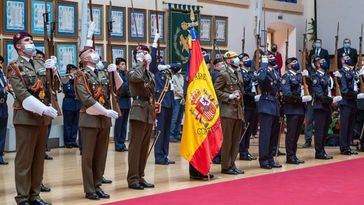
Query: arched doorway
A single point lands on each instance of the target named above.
(278, 32)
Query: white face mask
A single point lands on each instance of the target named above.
(100, 65)
(235, 62)
(95, 58)
(148, 58)
(29, 49)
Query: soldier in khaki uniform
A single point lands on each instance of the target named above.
(228, 86)
(32, 115)
(142, 117)
(92, 89)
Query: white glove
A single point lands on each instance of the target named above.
(140, 57)
(305, 73)
(361, 71)
(50, 112)
(337, 99)
(91, 30)
(111, 114)
(156, 37)
(163, 67)
(256, 98)
(337, 74)
(32, 104)
(232, 96)
(111, 68)
(306, 98)
(50, 64)
(360, 96)
(264, 59)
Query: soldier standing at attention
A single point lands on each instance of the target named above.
(32, 115)
(70, 108)
(348, 108)
(229, 87)
(4, 89)
(92, 89)
(322, 100)
(268, 109)
(163, 79)
(120, 130)
(293, 107)
(142, 117)
(250, 107)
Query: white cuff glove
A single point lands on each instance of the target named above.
(306, 98)
(89, 43)
(256, 98)
(337, 99)
(163, 67)
(140, 57)
(360, 96)
(361, 71)
(50, 112)
(91, 30)
(232, 96)
(156, 37)
(305, 73)
(111, 114)
(337, 74)
(32, 104)
(98, 109)
(50, 64)
(111, 68)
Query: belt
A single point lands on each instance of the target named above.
(141, 98)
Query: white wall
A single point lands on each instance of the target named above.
(350, 15)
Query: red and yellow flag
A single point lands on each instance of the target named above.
(202, 133)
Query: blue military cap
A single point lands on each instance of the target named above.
(175, 66)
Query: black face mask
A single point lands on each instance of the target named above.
(274, 49)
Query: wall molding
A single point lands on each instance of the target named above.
(234, 3)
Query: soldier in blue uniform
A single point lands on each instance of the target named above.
(293, 107)
(349, 90)
(322, 100)
(250, 107)
(163, 77)
(120, 129)
(70, 108)
(3, 111)
(268, 109)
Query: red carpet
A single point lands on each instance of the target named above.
(336, 183)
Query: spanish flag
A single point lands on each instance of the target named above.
(202, 133)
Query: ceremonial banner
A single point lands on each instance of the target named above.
(202, 132)
(178, 40)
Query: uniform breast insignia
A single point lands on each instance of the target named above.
(314, 81)
(38, 88)
(99, 96)
(284, 81)
(231, 87)
(204, 106)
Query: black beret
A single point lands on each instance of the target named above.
(20, 35)
(71, 66)
(242, 55)
(217, 60)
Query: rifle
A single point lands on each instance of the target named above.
(157, 22)
(337, 86)
(92, 19)
(360, 59)
(49, 51)
(257, 58)
(287, 45)
(243, 41)
(304, 60)
(113, 96)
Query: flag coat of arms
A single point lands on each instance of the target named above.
(202, 132)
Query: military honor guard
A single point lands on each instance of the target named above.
(250, 108)
(269, 112)
(92, 89)
(4, 90)
(293, 107)
(70, 108)
(32, 115)
(229, 88)
(120, 129)
(321, 83)
(349, 80)
(142, 117)
(163, 78)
